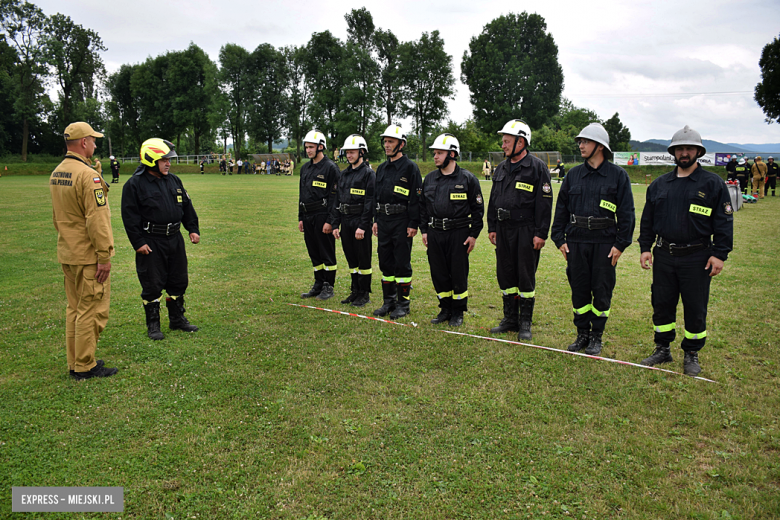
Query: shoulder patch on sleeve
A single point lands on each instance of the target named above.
(727, 208)
(546, 187)
(100, 197)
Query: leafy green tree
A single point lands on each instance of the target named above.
(324, 54)
(512, 71)
(390, 97)
(266, 111)
(619, 135)
(236, 80)
(571, 116)
(298, 94)
(122, 111)
(472, 138)
(8, 121)
(192, 77)
(152, 91)
(767, 92)
(74, 55)
(426, 72)
(551, 139)
(24, 24)
(360, 28)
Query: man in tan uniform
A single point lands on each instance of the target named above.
(759, 173)
(85, 245)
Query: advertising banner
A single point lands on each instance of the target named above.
(626, 158)
(665, 159)
(721, 159)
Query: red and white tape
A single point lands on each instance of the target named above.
(488, 338)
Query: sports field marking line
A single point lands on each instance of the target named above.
(414, 325)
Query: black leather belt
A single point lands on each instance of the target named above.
(162, 229)
(390, 209)
(351, 209)
(682, 249)
(591, 222)
(446, 224)
(517, 215)
(315, 206)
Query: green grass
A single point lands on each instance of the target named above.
(279, 412)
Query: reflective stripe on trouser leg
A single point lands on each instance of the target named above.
(394, 248)
(357, 252)
(321, 247)
(449, 263)
(516, 259)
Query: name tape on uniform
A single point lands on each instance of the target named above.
(355, 191)
(608, 205)
(523, 186)
(458, 196)
(700, 210)
(318, 184)
(402, 191)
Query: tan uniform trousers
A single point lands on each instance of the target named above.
(758, 187)
(86, 315)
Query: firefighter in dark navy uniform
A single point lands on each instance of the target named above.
(594, 223)
(353, 212)
(317, 198)
(688, 215)
(731, 169)
(114, 164)
(771, 173)
(742, 171)
(450, 222)
(154, 207)
(518, 218)
(398, 188)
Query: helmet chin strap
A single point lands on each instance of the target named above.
(361, 154)
(395, 150)
(447, 160)
(514, 146)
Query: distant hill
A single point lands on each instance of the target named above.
(772, 147)
(647, 146)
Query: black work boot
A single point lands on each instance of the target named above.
(363, 297)
(326, 292)
(388, 299)
(583, 338)
(315, 289)
(176, 319)
(509, 322)
(98, 363)
(353, 290)
(152, 310)
(594, 345)
(691, 364)
(661, 354)
(444, 315)
(404, 298)
(526, 317)
(97, 371)
(456, 320)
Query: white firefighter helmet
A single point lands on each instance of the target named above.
(517, 128)
(354, 142)
(446, 142)
(394, 131)
(315, 137)
(596, 133)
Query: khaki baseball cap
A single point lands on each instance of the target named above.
(79, 130)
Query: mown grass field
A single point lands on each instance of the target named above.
(280, 412)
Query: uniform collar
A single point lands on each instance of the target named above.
(694, 176)
(454, 173)
(600, 170)
(78, 157)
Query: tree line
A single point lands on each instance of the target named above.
(258, 97)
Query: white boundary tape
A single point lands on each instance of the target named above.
(488, 338)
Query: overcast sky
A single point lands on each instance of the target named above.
(658, 63)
